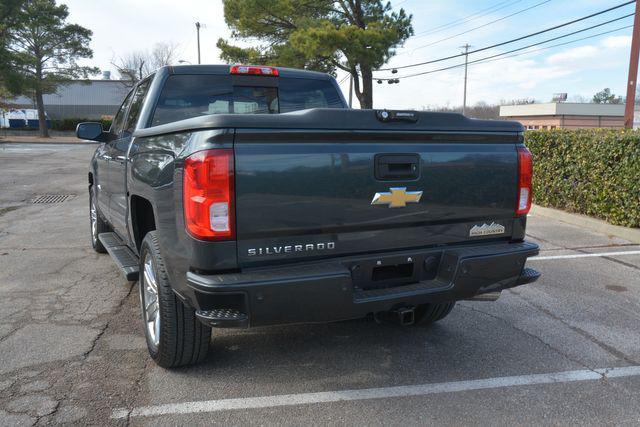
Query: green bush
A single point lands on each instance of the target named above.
(594, 172)
(71, 123)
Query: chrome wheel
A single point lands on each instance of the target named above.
(93, 214)
(149, 300)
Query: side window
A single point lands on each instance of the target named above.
(118, 121)
(136, 105)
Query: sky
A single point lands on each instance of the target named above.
(580, 69)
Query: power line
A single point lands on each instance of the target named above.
(491, 57)
(512, 40)
(483, 25)
(400, 2)
(559, 44)
(511, 51)
(540, 49)
(471, 17)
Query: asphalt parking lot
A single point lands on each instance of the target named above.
(565, 350)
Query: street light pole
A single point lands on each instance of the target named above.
(198, 32)
(466, 61)
(633, 71)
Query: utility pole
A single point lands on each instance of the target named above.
(466, 61)
(198, 31)
(633, 71)
(350, 89)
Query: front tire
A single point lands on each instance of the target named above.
(175, 337)
(97, 223)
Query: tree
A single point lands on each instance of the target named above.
(356, 36)
(43, 50)
(481, 110)
(8, 77)
(579, 99)
(521, 101)
(606, 97)
(136, 65)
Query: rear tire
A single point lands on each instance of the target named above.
(97, 223)
(175, 337)
(427, 314)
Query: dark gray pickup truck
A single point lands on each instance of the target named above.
(247, 196)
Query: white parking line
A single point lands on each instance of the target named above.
(374, 393)
(603, 254)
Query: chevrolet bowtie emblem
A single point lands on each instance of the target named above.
(397, 197)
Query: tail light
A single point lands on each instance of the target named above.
(209, 195)
(254, 70)
(525, 174)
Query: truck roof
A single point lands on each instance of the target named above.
(224, 69)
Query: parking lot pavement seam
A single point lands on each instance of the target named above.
(46, 419)
(612, 259)
(606, 347)
(13, 331)
(543, 240)
(529, 334)
(621, 387)
(137, 390)
(49, 415)
(115, 311)
(626, 264)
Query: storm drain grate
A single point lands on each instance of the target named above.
(52, 198)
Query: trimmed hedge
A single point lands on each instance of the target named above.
(70, 124)
(595, 172)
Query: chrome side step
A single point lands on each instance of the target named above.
(223, 318)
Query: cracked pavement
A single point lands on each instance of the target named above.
(72, 349)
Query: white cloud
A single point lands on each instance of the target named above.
(616, 42)
(127, 26)
(573, 55)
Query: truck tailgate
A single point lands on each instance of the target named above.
(306, 195)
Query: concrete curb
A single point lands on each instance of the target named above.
(597, 225)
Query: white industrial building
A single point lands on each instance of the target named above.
(87, 99)
(565, 115)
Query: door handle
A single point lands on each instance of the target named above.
(121, 158)
(397, 166)
(106, 157)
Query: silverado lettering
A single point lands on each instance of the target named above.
(291, 248)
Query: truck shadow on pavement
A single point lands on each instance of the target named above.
(363, 353)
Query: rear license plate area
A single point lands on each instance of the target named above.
(394, 271)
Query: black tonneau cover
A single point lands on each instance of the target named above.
(336, 119)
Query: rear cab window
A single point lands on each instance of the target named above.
(185, 96)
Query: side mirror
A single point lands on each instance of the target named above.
(90, 130)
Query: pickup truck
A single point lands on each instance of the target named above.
(244, 196)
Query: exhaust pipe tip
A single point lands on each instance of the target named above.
(489, 296)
